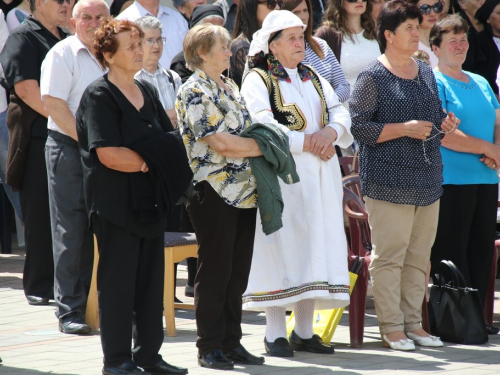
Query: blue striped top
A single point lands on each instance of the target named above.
(329, 68)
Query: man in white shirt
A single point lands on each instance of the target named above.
(69, 67)
(175, 26)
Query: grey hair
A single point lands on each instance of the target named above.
(178, 3)
(203, 20)
(149, 23)
(76, 8)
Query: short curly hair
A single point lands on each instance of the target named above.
(105, 36)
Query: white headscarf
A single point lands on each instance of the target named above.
(275, 21)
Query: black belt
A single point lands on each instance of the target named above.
(63, 138)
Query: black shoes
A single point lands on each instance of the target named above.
(73, 324)
(313, 345)
(163, 367)
(279, 348)
(37, 301)
(189, 291)
(127, 368)
(242, 356)
(492, 330)
(215, 360)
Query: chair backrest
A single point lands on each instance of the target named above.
(359, 229)
(353, 183)
(349, 165)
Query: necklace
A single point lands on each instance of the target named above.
(403, 74)
(296, 88)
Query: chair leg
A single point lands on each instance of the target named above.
(425, 302)
(357, 309)
(168, 293)
(489, 304)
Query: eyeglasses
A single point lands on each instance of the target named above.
(271, 4)
(61, 2)
(150, 41)
(426, 9)
(355, 1)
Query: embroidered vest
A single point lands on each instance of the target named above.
(290, 114)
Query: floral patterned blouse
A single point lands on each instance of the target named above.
(204, 108)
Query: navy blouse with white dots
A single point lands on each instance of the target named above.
(403, 170)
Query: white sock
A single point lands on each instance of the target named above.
(304, 314)
(275, 323)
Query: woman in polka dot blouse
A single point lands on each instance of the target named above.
(398, 121)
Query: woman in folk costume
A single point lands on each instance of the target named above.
(304, 264)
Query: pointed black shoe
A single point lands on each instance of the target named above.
(492, 330)
(313, 345)
(215, 360)
(163, 367)
(242, 356)
(37, 301)
(127, 368)
(279, 348)
(73, 324)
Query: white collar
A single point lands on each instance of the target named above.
(144, 12)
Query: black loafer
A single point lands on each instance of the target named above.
(37, 301)
(189, 291)
(215, 360)
(242, 356)
(279, 348)
(73, 324)
(127, 368)
(313, 345)
(492, 330)
(163, 367)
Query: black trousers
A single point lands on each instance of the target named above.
(130, 292)
(38, 276)
(466, 232)
(225, 236)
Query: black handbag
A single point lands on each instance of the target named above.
(456, 311)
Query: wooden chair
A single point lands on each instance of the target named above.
(489, 303)
(178, 246)
(349, 165)
(360, 239)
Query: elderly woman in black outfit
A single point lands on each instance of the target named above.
(398, 121)
(117, 114)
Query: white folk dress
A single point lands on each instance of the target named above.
(307, 258)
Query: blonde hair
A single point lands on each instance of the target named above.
(422, 56)
(202, 38)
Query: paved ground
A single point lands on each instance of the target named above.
(30, 343)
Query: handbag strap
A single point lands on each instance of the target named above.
(447, 267)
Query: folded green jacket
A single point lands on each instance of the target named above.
(276, 161)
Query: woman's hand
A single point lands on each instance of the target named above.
(492, 156)
(144, 168)
(417, 129)
(330, 151)
(321, 140)
(450, 123)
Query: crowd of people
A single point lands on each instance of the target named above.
(227, 119)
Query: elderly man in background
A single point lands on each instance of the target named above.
(167, 82)
(21, 59)
(206, 13)
(174, 26)
(186, 7)
(67, 70)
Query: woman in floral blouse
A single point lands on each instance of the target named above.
(211, 115)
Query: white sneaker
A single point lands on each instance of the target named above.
(425, 341)
(404, 345)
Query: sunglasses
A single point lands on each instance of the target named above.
(271, 4)
(355, 1)
(61, 2)
(426, 9)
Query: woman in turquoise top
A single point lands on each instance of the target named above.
(471, 158)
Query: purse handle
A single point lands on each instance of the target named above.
(448, 267)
